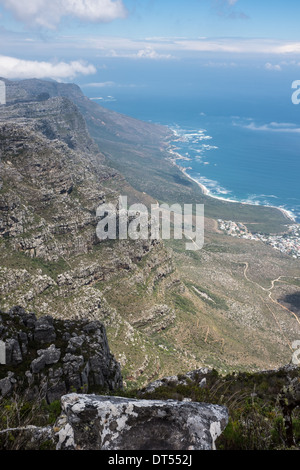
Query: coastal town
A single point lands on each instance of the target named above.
(288, 243)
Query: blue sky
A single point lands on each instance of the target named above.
(75, 39)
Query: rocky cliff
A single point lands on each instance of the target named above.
(46, 358)
(53, 178)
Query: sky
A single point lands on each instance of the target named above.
(81, 40)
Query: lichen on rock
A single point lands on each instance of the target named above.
(94, 422)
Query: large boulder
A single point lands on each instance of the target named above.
(91, 422)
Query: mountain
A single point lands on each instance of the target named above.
(166, 310)
(53, 178)
(140, 151)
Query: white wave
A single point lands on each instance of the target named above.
(211, 185)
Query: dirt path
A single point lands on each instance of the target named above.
(269, 289)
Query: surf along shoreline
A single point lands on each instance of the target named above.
(174, 157)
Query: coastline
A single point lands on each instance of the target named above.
(175, 156)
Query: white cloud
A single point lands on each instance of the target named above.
(49, 13)
(238, 45)
(175, 48)
(269, 66)
(11, 67)
(149, 53)
(110, 84)
(279, 52)
(146, 53)
(100, 84)
(220, 64)
(286, 127)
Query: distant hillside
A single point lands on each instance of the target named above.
(139, 151)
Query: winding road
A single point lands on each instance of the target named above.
(269, 289)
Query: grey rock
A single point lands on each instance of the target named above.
(51, 355)
(56, 386)
(289, 399)
(13, 351)
(7, 384)
(30, 321)
(23, 338)
(199, 376)
(94, 422)
(75, 343)
(202, 383)
(44, 330)
(46, 357)
(37, 365)
(86, 361)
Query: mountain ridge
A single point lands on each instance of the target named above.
(166, 310)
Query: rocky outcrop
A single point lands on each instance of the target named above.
(198, 376)
(46, 210)
(91, 422)
(51, 357)
(157, 318)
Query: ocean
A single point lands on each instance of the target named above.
(239, 131)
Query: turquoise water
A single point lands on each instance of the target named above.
(242, 142)
(242, 163)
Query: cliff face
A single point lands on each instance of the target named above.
(47, 190)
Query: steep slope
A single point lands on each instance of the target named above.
(166, 310)
(53, 178)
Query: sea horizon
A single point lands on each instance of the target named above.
(233, 151)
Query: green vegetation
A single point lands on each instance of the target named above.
(217, 316)
(255, 417)
(17, 412)
(207, 296)
(20, 260)
(184, 304)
